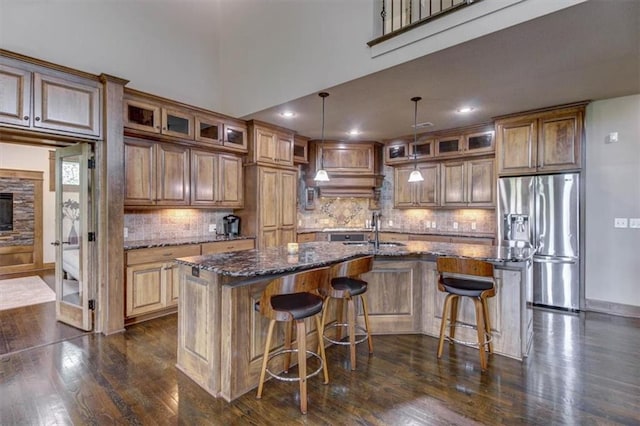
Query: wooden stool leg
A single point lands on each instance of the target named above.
(365, 310)
(288, 333)
(325, 307)
(443, 324)
(265, 358)
(301, 337)
(453, 316)
(351, 320)
(480, 328)
(323, 356)
(487, 322)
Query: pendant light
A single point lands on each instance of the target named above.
(321, 175)
(415, 175)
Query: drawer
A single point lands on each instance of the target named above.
(226, 246)
(306, 238)
(160, 254)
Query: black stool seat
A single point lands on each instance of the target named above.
(300, 305)
(354, 286)
(465, 287)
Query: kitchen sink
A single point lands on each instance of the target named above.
(368, 243)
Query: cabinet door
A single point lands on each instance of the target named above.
(481, 183)
(177, 123)
(145, 288)
(348, 158)
(479, 143)
(396, 152)
(204, 175)
(64, 105)
(559, 142)
(235, 137)
(428, 191)
(266, 146)
(230, 181)
(139, 173)
(287, 196)
(285, 150)
(453, 184)
(172, 284)
(269, 238)
(423, 148)
(300, 150)
(141, 115)
(269, 199)
(208, 130)
(403, 191)
(15, 99)
(287, 235)
(449, 146)
(172, 187)
(516, 143)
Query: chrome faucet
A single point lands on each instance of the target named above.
(375, 223)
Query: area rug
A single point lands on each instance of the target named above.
(17, 292)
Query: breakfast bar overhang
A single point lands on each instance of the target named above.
(221, 336)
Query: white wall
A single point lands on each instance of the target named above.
(34, 158)
(165, 47)
(613, 190)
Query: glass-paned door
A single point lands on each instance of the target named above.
(74, 272)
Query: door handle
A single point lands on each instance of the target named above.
(550, 259)
(57, 243)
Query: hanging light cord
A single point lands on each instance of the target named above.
(415, 130)
(323, 95)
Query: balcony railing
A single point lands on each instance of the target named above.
(399, 16)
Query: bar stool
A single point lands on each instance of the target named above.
(477, 290)
(345, 285)
(292, 298)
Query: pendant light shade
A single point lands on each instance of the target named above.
(321, 174)
(415, 175)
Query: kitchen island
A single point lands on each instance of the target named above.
(221, 336)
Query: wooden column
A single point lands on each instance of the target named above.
(110, 160)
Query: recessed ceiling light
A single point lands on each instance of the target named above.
(354, 132)
(465, 110)
(288, 114)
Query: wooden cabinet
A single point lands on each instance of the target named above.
(270, 205)
(396, 151)
(300, 150)
(216, 179)
(216, 247)
(145, 114)
(449, 146)
(306, 238)
(417, 194)
(423, 148)
(269, 145)
(152, 283)
(214, 131)
(43, 100)
(547, 141)
(156, 174)
(468, 183)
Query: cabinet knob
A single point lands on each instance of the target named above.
(37, 118)
(25, 118)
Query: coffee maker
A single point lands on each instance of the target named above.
(231, 225)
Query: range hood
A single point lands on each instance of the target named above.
(354, 168)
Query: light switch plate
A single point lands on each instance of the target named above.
(634, 222)
(473, 226)
(620, 222)
(212, 227)
(126, 232)
(433, 224)
(455, 225)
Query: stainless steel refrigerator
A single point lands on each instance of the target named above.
(543, 211)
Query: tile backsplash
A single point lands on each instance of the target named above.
(171, 223)
(354, 212)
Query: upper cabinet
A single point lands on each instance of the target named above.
(37, 98)
(417, 194)
(453, 143)
(216, 179)
(540, 142)
(270, 145)
(300, 149)
(148, 114)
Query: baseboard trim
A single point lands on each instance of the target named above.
(612, 308)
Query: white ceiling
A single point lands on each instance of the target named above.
(587, 52)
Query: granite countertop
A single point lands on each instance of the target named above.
(166, 242)
(276, 260)
(400, 231)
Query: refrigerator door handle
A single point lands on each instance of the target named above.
(553, 259)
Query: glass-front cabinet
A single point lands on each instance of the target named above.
(235, 136)
(148, 116)
(396, 151)
(424, 147)
(449, 146)
(480, 142)
(208, 130)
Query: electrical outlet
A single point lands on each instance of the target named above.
(212, 227)
(433, 224)
(473, 226)
(634, 222)
(390, 223)
(620, 222)
(126, 232)
(455, 225)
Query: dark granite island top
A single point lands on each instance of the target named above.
(276, 260)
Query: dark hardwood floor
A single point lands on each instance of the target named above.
(582, 370)
(34, 325)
